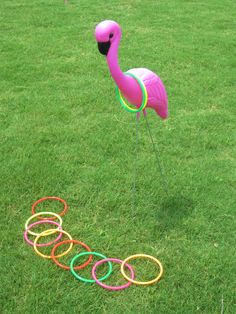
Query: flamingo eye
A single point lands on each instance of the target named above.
(111, 35)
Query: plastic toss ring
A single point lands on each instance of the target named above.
(144, 94)
(74, 242)
(142, 282)
(39, 223)
(50, 198)
(112, 287)
(89, 253)
(47, 232)
(37, 215)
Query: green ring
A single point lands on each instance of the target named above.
(144, 93)
(89, 253)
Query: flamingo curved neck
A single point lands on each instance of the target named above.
(128, 85)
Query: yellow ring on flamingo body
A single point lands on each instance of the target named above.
(142, 256)
(144, 93)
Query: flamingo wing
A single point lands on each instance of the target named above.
(157, 96)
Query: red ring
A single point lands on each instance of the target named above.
(71, 241)
(50, 198)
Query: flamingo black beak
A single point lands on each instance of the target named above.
(104, 47)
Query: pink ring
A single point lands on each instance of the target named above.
(51, 222)
(111, 287)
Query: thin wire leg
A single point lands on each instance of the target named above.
(135, 167)
(161, 169)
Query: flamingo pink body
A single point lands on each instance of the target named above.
(108, 35)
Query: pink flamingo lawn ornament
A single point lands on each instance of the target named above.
(108, 35)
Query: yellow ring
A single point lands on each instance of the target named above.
(144, 92)
(142, 282)
(130, 108)
(38, 214)
(50, 231)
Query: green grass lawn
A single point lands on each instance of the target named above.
(63, 133)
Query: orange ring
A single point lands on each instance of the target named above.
(71, 241)
(50, 198)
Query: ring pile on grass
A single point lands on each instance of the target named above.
(89, 253)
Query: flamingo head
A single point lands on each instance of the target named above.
(107, 33)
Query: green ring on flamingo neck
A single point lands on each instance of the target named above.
(144, 93)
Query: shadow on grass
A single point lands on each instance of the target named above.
(173, 211)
